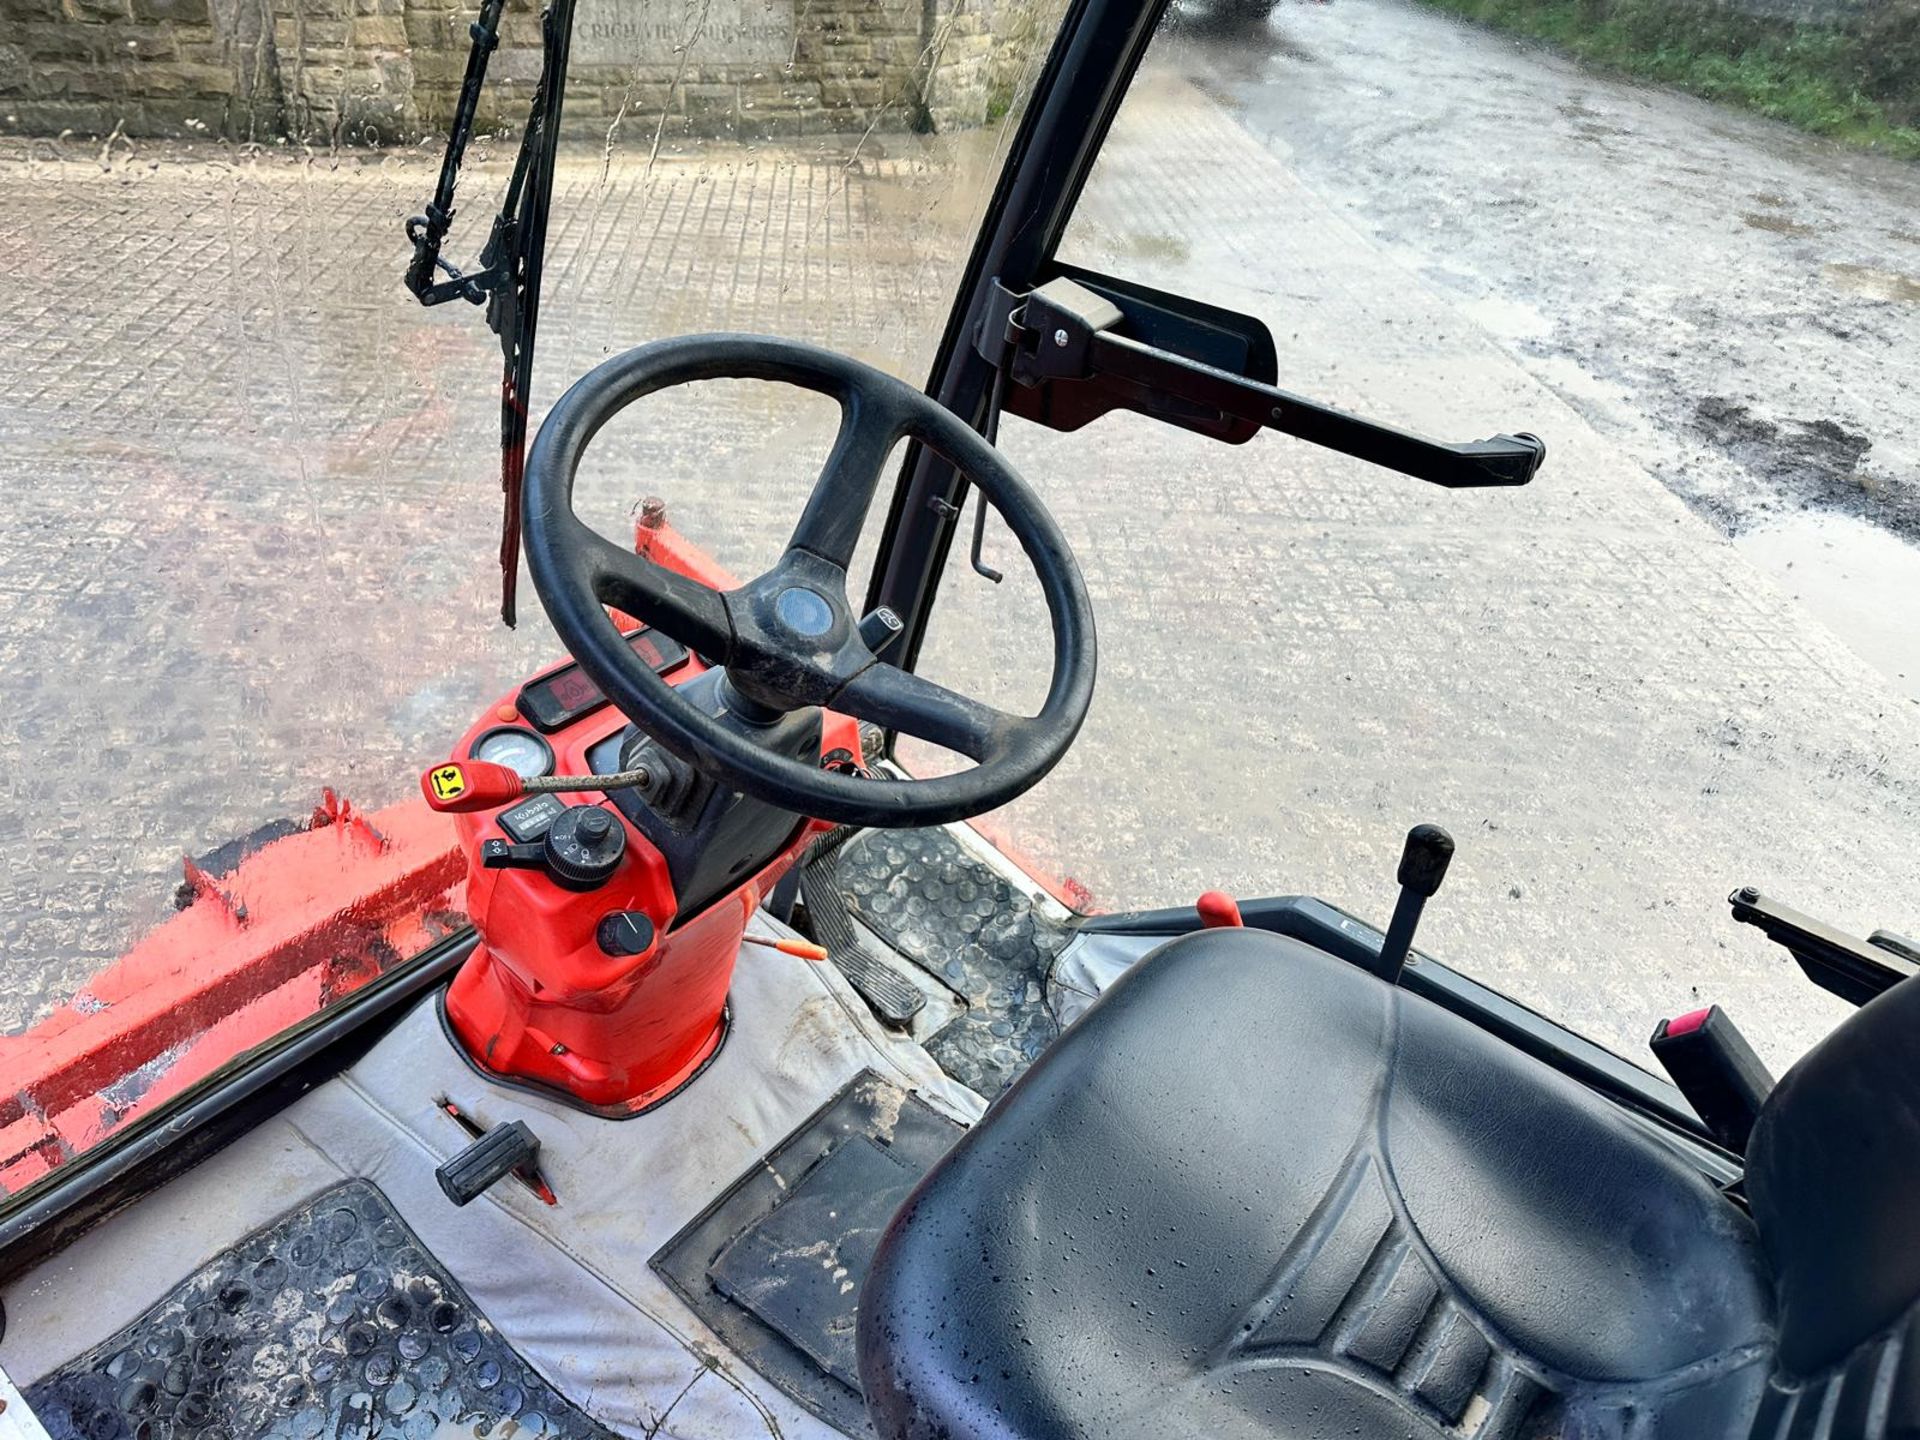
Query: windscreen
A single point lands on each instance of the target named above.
(1685, 659)
(252, 488)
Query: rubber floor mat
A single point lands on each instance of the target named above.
(954, 917)
(333, 1321)
(775, 1265)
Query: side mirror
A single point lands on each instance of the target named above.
(1219, 339)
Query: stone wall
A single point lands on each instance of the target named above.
(984, 50)
(382, 71)
(346, 69)
(145, 66)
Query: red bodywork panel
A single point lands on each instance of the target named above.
(540, 1002)
(298, 923)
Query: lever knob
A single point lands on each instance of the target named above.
(463, 786)
(1423, 863)
(879, 630)
(499, 1152)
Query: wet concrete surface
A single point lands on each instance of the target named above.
(1857, 580)
(249, 496)
(1735, 303)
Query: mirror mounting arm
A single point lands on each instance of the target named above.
(1064, 332)
(1855, 970)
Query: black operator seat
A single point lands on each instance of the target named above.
(1255, 1192)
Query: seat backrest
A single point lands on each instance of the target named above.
(1833, 1174)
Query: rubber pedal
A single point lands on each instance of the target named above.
(889, 994)
(491, 1158)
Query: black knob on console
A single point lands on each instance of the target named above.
(626, 932)
(584, 847)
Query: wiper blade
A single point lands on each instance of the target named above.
(514, 311)
(507, 281)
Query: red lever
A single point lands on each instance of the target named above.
(462, 786)
(1218, 910)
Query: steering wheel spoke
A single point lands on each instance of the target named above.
(829, 528)
(897, 699)
(692, 613)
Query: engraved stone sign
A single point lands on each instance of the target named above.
(654, 32)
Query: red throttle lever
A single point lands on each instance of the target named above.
(461, 786)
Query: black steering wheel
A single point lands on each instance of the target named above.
(789, 639)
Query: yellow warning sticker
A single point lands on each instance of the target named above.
(449, 783)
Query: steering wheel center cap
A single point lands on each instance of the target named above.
(803, 611)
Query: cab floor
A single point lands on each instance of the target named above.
(953, 921)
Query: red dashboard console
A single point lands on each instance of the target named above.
(605, 995)
(613, 996)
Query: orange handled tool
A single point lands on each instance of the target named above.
(804, 949)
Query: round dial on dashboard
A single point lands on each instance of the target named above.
(525, 753)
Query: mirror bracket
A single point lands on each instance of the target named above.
(1072, 335)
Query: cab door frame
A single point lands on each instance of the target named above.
(1087, 74)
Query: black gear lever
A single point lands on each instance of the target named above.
(1423, 865)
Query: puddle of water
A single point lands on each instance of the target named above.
(1856, 579)
(1507, 318)
(1879, 284)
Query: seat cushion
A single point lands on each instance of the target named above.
(1834, 1171)
(1256, 1192)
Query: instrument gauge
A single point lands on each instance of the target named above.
(524, 752)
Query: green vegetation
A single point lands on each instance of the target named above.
(1860, 85)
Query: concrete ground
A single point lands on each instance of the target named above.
(250, 496)
(1726, 298)
(1729, 300)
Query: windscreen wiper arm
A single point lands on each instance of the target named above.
(428, 231)
(1064, 331)
(508, 280)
